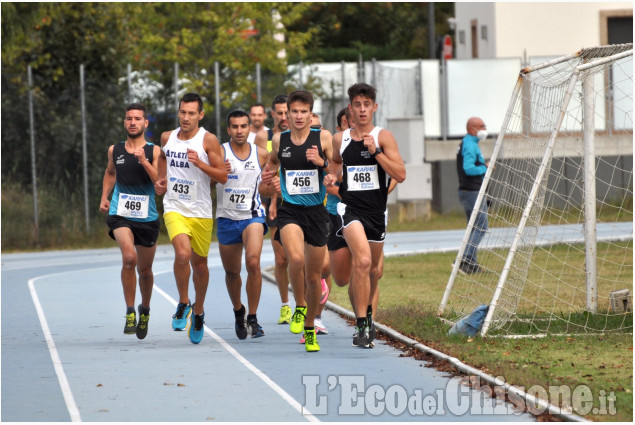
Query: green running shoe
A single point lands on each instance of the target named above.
(297, 320)
(131, 324)
(285, 315)
(310, 341)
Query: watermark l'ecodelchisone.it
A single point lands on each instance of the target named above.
(351, 395)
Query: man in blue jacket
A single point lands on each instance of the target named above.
(471, 168)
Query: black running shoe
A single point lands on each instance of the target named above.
(142, 327)
(131, 324)
(371, 327)
(255, 330)
(361, 338)
(240, 326)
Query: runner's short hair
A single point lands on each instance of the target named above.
(362, 89)
(257, 105)
(340, 114)
(192, 97)
(137, 107)
(281, 98)
(301, 96)
(237, 113)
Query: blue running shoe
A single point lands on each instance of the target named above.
(196, 330)
(179, 320)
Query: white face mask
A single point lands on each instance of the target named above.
(481, 135)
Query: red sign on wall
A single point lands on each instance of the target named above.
(447, 47)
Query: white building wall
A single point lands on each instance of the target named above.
(539, 29)
(484, 14)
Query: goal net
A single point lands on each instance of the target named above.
(558, 255)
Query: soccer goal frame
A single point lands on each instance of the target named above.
(588, 59)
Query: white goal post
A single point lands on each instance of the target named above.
(559, 244)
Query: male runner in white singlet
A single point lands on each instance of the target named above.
(190, 160)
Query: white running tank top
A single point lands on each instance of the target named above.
(188, 191)
(251, 137)
(346, 137)
(238, 198)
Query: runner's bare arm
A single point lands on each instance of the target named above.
(271, 168)
(261, 139)
(327, 148)
(161, 185)
(110, 178)
(390, 158)
(150, 167)
(263, 158)
(392, 185)
(226, 163)
(216, 168)
(335, 167)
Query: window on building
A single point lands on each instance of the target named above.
(484, 32)
(474, 38)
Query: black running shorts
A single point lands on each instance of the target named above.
(374, 223)
(336, 242)
(314, 222)
(267, 202)
(145, 233)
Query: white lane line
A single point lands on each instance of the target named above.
(66, 390)
(260, 374)
(57, 363)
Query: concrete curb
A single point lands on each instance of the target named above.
(459, 365)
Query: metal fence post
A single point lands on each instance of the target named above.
(343, 81)
(361, 75)
(373, 81)
(217, 95)
(258, 84)
(129, 78)
(443, 89)
(36, 228)
(176, 91)
(419, 80)
(84, 152)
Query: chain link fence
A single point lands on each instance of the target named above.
(56, 187)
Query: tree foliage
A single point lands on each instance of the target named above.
(56, 38)
(236, 35)
(383, 31)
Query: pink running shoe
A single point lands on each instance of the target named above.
(325, 292)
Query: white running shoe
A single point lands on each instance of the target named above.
(320, 329)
